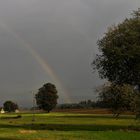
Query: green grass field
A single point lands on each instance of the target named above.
(68, 126)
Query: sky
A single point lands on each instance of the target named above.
(54, 41)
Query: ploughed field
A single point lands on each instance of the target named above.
(68, 126)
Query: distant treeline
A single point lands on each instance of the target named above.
(87, 104)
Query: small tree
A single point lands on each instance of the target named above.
(46, 98)
(10, 106)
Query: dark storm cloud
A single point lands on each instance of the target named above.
(63, 32)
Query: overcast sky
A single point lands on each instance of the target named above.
(63, 33)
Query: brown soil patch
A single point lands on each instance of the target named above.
(89, 111)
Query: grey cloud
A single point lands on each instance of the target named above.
(63, 32)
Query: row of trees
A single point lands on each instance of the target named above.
(81, 105)
(119, 63)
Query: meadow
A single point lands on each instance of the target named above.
(68, 126)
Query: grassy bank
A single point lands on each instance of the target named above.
(68, 126)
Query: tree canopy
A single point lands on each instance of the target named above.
(10, 106)
(117, 97)
(46, 98)
(119, 61)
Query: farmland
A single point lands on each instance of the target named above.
(68, 126)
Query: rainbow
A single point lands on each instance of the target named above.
(43, 63)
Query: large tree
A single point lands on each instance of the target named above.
(119, 60)
(10, 106)
(119, 63)
(46, 98)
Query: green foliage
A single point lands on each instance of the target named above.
(117, 97)
(46, 98)
(119, 61)
(81, 105)
(135, 104)
(10, 106)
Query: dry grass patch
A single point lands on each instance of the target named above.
(27, 131)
